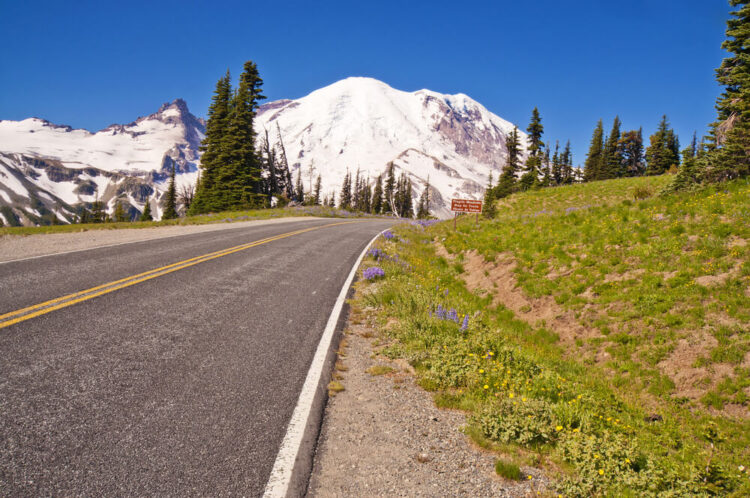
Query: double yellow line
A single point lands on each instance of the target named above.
(29, 312)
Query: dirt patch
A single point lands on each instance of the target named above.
(498, 278)
(383, 436)
(693, 381)
(720, 279)
(736, 242)
(621, 277)
(441, 251)
(679, 366)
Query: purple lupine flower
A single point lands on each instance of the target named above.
(388, 235)
(373, 272)
(465, 324)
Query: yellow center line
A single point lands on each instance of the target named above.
(84, 295)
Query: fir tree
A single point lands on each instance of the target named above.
(489, 210)
(389, 189)
(345, 197)
(535, 151)
(239, 178)
(377, 196)
(299, 191)
(120, 215)
(728, 156)
(631, 148)
(663, 153)
(566, 163)
(316, 192)
(557, 170)
(594, 158)
(423, 208)
(146, 215)
(170, 200)
(212, 145)
(688, 175)
(507, 182)
(611, 166)
(285, 174)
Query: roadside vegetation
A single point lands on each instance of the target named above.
(223, 217)
(597, 330)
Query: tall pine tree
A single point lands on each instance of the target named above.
(170, 200)
(729, 155)
(664, 151)
(535, 151)
(611, 166)
(631, 148)
(377, 196)
(212, 146)
(594, 158)
(507, 182)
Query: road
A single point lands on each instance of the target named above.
(179, 384)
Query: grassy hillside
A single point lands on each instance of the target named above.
(224, 217)
(598, 330)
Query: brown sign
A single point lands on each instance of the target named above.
(466, 206)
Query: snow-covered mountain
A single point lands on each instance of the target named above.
(356, 123)
(362, 123)
(46, 169)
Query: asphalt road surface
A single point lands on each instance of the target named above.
(179, 384)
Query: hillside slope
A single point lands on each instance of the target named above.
(600, 327)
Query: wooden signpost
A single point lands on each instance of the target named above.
(465, 206)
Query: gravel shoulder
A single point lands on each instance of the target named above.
(15, 247)
(383, 436)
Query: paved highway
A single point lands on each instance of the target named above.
(164, 379)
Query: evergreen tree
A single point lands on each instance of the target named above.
(299, 191)
(507, 183)
(389, 189)
(557, 170)
(729, 155)
(316, 192)
(594, 158)
(663, 153)
(631, 149)
(146, 215)
(285, 174)
(98, 213)
(120, 215)
(408, 211)
(546, 169)
(212, 145)
(423, 208)
(688, 175)
(377, 196)
(535, 151)
(346, 192)
(239, 178)
(489, 210)
(170, 200)
(611, 166)
(566, 164)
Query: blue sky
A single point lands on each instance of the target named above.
(90, 64)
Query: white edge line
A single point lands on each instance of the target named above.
(281, 474)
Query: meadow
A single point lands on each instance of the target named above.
(599, 331)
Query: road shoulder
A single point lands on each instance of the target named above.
(383, 435)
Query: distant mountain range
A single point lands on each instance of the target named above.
(356, 123)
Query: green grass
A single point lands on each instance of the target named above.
(223, 217)
(630, 270)
(508, 470)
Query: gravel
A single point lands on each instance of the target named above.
(383, 436)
